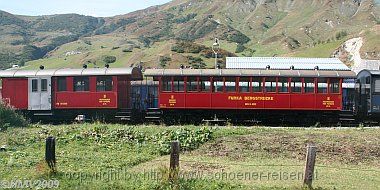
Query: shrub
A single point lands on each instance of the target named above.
(109, 59)
(238, 37)
(185, 19)
(187, 47)
(164, 60)
(88, 42)
(240, 48)
(128, 49)
(341, 35)
(9, 118)
(197, 62)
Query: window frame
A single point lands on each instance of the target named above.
(201, 82)
(249, 81)
(271, 82)
(304, 86)
(104, 80)
(168, 82)
(34, 85)
(176, 84)
(86, 86)
(196, 81)
(261, 84)
(281, 87)
(293, 86)
(331, 88)
(59, 89)
(218, 82)
(326, 88)
(44, 85)
(226, 89)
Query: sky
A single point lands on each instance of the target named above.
(98, 8)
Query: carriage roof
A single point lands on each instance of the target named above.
(250, 72)
(14, 73)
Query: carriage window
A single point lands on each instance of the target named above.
(81, 84)
(283, 85)
(62, 84)
(334, 86)
(270, 85)
(205, 84)
(34, 85)
(322, 85)
(218, 84)
(257, 84)
(244, 84)
(192, 84)
(104, 84)
(179, 84)
(44, 85)
(296, 85)
(309, 85)
(166, 84)
(368, 80)
(377, 85)
(230, 84)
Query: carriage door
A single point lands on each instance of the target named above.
(39, 97)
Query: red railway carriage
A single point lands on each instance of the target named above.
(248, 94)
(67, 93)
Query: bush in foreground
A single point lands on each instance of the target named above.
(9, 118)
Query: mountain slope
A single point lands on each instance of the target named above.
(27, 38)
(154, 36)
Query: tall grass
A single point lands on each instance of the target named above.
(9, 118)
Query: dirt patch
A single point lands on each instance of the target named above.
(201, 167)
(332, 147)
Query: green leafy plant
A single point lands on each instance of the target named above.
(189, 139)
(109, 59)
(9, 117)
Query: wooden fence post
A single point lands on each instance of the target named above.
(310, 163)
(174, 160)
(50, 153)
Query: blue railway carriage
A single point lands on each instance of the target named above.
(367, 99)
(144, 97)
(144, 94)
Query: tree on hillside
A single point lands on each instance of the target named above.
(164, 61)
(240, 48)
(109, 59)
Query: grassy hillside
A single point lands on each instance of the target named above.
(42, 33)
(247, 28)
(88, 154)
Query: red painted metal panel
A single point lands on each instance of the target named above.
(198, 100)
(70, 84)
(225, 100)
(252, 101)
(122, 86)
(15, 92)
(78, 100)
(172, 100)
(279, 101)
(328, 102)
(302, 101)
(92, 84)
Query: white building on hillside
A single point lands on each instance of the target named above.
(366, 64)
(285, 63)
